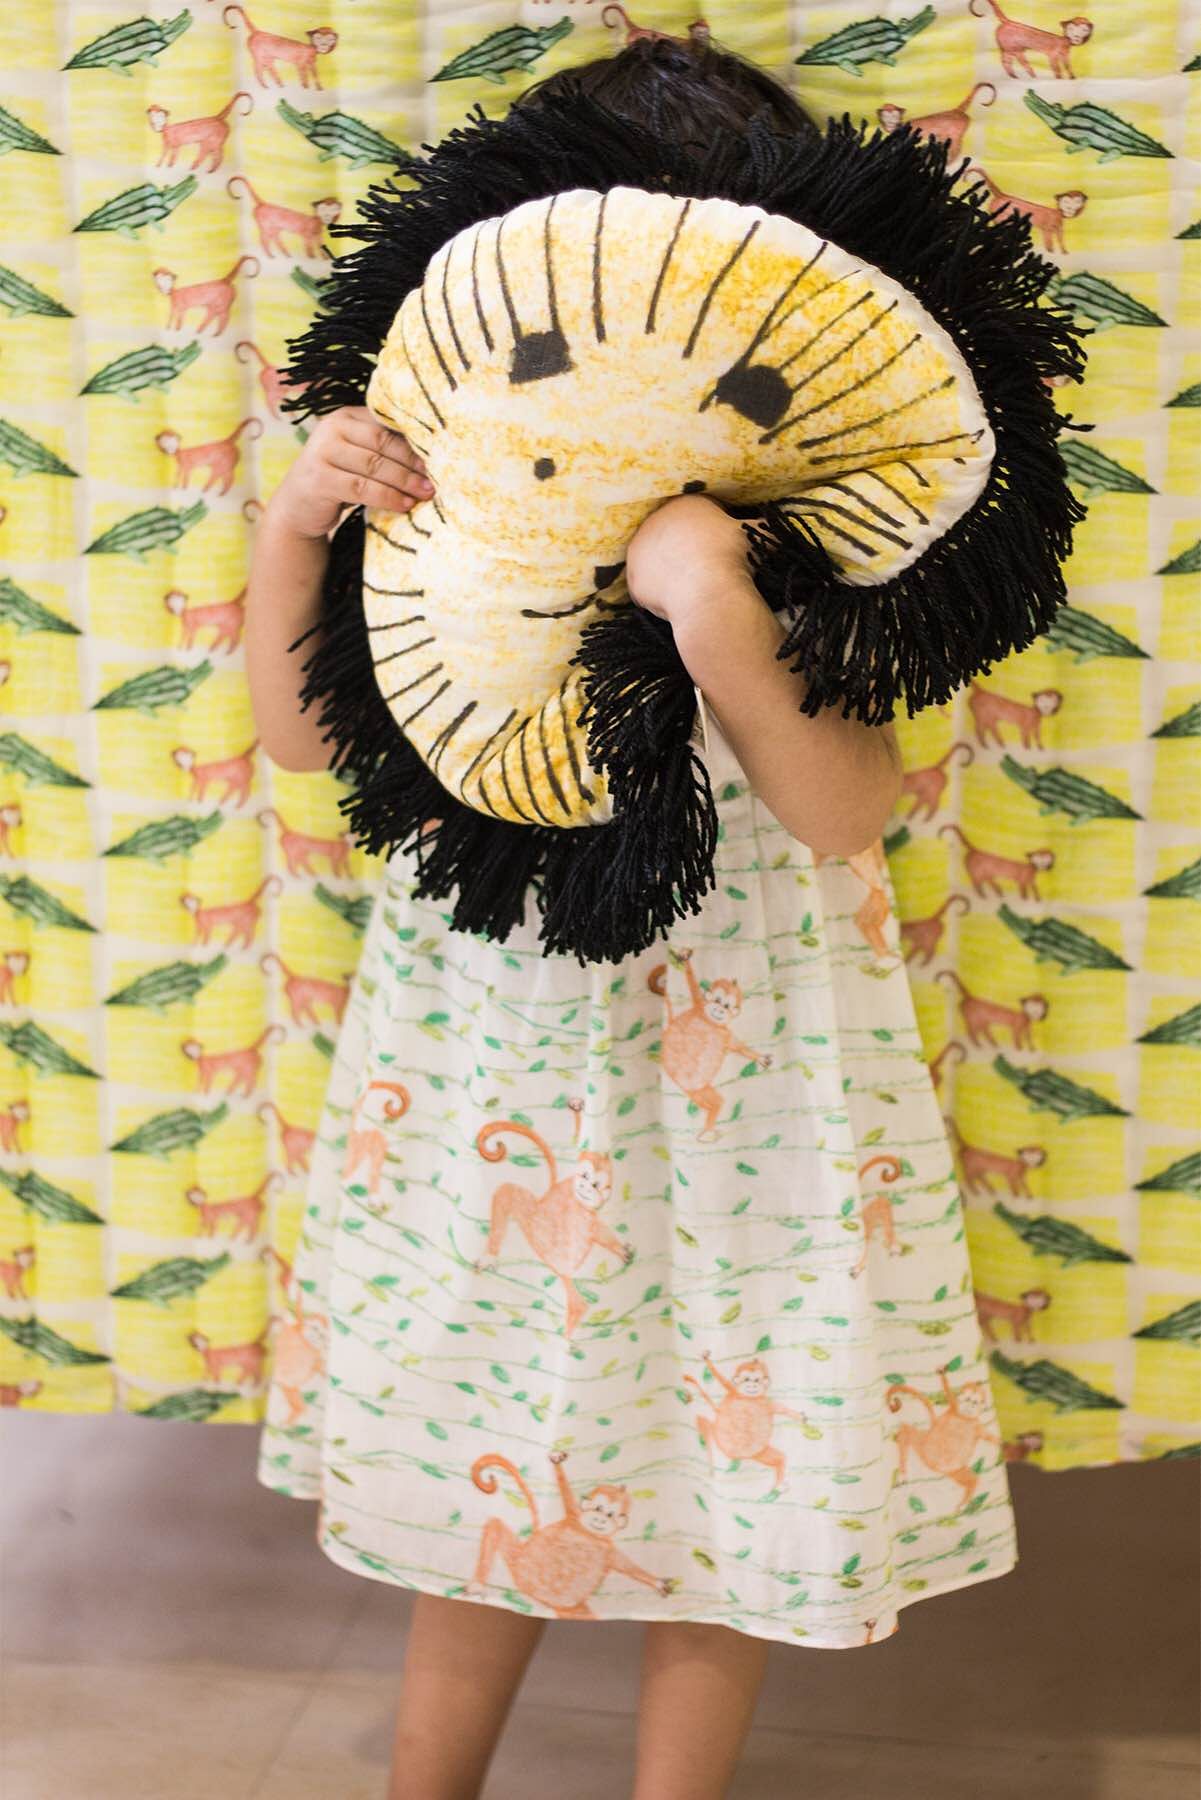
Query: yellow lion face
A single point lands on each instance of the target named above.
(566, 368)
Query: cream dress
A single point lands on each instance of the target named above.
(641, 1290)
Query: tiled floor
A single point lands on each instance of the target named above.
(170, 1631)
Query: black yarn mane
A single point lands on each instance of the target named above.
(991, 584)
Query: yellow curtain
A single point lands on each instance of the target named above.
(179, 920)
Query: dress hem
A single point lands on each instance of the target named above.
(331, 1547)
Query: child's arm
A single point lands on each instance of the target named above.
(832, 782)
(350, 460)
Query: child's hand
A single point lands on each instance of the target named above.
(687, 551)
(349, 460)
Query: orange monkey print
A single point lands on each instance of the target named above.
(743, 1422)
(562, 1224)
(367, 1143)
(697, 1040)
(298, 1356)
(947, 1442)
(559, 1566)
(877, 1213)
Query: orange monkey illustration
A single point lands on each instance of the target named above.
(11, 817)
(246, 1358)
(269, 51)
(367, 1142)
(14, 1269)
(216, 297)
(11, 1121)
(979, 1166)
(986, 870)
(1022, 1447)
(273, 221)
(1045, 218)
(698, 30)
(1018, 1314)
(237, 772)
(981, 1017)
(990, 711)
(296, 1141)
(949, 125)
(274, 382)
(696, 1042)
(224, 617)
(1017, 42)
(13, 1392)
(299, 847)
(877, 1214)
(560, 1225)
(948, 1441)
(936, 1066)
(306, 992)
(283, 1270)
(219, 458)
(301, 1341)
(12, 964)
(559, 1566)
(875, 912)
(741, 1426)
(244, 1066)
(926, 786)
(245, 1210)
(239, 917)
(922, 937)
(207, 136)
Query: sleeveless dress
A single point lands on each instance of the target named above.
(641, 1290)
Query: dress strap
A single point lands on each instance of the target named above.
(709, 738)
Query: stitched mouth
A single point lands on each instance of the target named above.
(603, 576)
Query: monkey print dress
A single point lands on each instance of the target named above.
(641, 1290)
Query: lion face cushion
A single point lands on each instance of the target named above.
(567, 354)
(564, 369)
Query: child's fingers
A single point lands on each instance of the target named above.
(358, 489)
(369, 465)
(369, 434)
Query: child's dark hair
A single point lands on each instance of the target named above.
(681, 88)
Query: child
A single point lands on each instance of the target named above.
(651, 1368)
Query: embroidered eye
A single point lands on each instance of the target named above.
(693, 487)
(544, 468)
